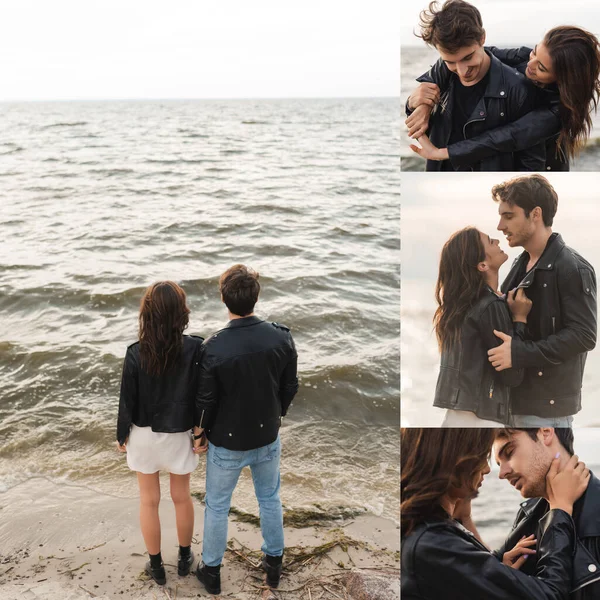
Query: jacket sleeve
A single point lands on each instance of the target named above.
(513, 57)
(438, 74)
(207, 394)
(288, 385)
(519, 135)
(454, 567)
(578, 310)
(497, 316)
(128, 398)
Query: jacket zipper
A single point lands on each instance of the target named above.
(468, 123)
(492, 389)
(201, 419)
(553, 324)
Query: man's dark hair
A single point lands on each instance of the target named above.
(239, 287)
(564, 435)
(527, 192)
(456, 25)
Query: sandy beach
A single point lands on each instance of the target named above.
(68, 542)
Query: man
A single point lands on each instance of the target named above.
(474, 92)
(524, 457)
(248, 378)
(561, 327)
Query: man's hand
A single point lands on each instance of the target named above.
(425, 93)
(519, 304)
(428, 150)
(122, 448)
(418, 122)
(518, 555)
(501, 357)
(201, 444)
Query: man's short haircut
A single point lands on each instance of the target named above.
(456, 25)
(527, 192)
(240, 288)
(564, 435)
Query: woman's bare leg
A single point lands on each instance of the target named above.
(149, 501)
(184, 508)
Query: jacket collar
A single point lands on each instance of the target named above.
(496, 87)
(243, 322)
(546, 262)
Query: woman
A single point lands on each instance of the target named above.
(565, 66)
(157, 414)
(442, 468)
(469, 310)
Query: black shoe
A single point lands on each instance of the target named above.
(157, 574)
(210, 577)
(184, 564)
(272, 565)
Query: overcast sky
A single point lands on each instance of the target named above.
(513, 22)
(75, 49)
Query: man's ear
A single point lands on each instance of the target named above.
(537, 213)
(546, 435)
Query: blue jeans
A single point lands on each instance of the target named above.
(534, 421)
(223, 468)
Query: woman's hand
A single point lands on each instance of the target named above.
(418, 122)
(428, 150)
(519, 304)
(200, 445)
(518, 555)
(566, 485)
(425, 93)
(122, 448)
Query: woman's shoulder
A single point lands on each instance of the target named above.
(423, 541)
(193, 340)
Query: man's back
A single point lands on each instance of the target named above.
(247, 382)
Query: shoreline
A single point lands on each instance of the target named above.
(67, 542)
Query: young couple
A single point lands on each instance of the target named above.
(514, 356)
(490, 109)
(231, 391)
(553, 549)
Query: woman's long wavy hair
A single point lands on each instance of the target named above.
(460, 284)
(575, 55)
(164, 315)
(434, 461)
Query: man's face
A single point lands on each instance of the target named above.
(467, 62)
(514, 224)
(523, 462)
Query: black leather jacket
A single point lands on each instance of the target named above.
(561, 329)
(165, 403)
(508, 97)
(248, 378)
(467, 380)
(443, 560)
(542, 123)
(585, 584)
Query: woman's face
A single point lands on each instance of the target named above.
(495, 257)
(471, 489)
(539, 68)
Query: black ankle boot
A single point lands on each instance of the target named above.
(184, 564)
(210, 577)
(157, 573)
(272, 565)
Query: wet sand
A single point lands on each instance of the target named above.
(68, 542)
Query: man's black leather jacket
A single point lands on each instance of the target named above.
(542, 123)
(585, 584)
(562, 287)
(467, 380)
(165, 403)
(248, 378)
(443, 560)
(508, 96)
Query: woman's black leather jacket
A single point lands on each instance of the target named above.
(443, 560)
(467, 380)
(165, 403)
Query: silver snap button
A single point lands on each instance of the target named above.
(592, 568)
(261, 424)
(545, 285)
(231, 435)
(540, 373)
(548, 168)
(549, 265)
(551, 401)
(501, 114)
(587, 289)
(502, 93)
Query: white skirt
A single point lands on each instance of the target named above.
(151, 451)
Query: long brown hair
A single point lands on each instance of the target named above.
(163, 317)
(575, 55)
(459, 285)
(434, 460)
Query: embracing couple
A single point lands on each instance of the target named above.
(553, 549)
(488, 109)
(514, 356)
(182, 396)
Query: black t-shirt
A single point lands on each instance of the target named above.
(465, 101)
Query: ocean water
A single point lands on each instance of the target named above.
(100, 199)
(416, 60)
